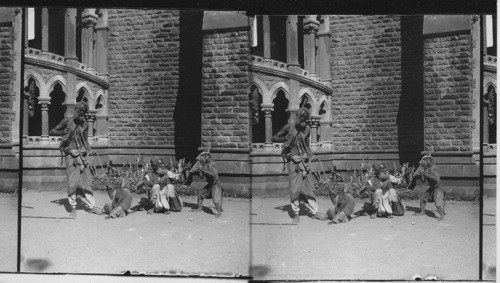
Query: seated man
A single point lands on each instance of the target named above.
(121, 199)
(158, 190)
(385, 201)
(343, 207)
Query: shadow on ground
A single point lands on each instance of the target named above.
(195, 206)
(64, 202)
(259, 270)
(417, 210)
(288, 208)
(36, 264)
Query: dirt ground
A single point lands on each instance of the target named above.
(8, 226)
(186, 243)
(177, 244)
(363, 248)
(489, 238)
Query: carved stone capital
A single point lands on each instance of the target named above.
(44, 104)
(311, 26)
(89, 20)
(314, 121)
(90, 116)
(267, 108)
(268, 113)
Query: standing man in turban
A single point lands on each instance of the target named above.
(76, 149)
(297, 154)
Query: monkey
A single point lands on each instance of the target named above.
(121, 200)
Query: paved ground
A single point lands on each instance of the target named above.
(180, 243)
(363, 248)
(8, 228)
(489, 238)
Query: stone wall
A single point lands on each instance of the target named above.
(226, 83)
(448, 93)
(7, 112)
(143, 61)
(366, 81)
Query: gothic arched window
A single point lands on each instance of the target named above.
(257, 119)
(34, 108)
(280, 115)
(56, 108)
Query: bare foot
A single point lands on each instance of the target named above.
(218, 215)
(373, 216)
(441, 218)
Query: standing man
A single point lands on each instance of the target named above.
(205, 167)
(76, 149)
(427, 171)
(297, 154)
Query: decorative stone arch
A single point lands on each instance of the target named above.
(488, 83)
(49, 86)
(36, 76)
(323, 101)
(100, 99)
(273, 91)
(260, 86)
(308, 93)
(92, 99)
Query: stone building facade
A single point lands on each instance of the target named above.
(10, 81)
(171, 83)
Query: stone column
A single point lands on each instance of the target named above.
(70, 101)
(486, 124)
(267, 36)
(89, 21)
(101, 127)
(45, 102)
(310, 29)
(314, 123)
(323, 66)
(90, 120)
(101, 44)
(292, 48)
(326, 123)
(293, 104)
(25, 115)
(268, 109)
(45, 29)
(70, 37)
(26, 25)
